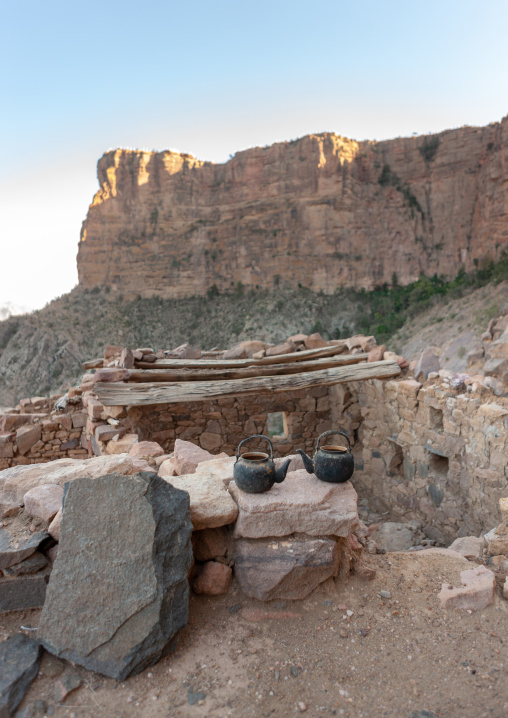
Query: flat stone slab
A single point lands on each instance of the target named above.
(477, 590)
(19, 664)
(211, 505)
(13, 550)
(290, 568)
(20, 479)
(19, 593)
(44, 502)
(301, 504)
(119, 593)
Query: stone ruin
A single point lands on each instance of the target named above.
(430, 453)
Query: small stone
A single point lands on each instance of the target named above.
(365, 574)
(44, 502)
(302, 707)
(469, 547)
(146, 450)
(376, 354)
(343, 633)
(477, 591)
(315, 341)
(235, 608)
(385, 594)
(195, 698)
(66, 685)
(294, 671)
(214, 579)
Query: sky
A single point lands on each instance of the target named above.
(212, 78)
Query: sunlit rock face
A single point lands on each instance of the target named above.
(322, 212)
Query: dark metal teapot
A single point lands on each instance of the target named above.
(254, 472)
(332, 462)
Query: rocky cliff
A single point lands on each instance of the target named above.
(321, 212)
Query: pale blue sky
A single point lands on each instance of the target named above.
(211, 79)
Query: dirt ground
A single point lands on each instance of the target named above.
(343, 651)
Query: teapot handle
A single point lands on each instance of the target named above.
(334, 431)
(254, 436)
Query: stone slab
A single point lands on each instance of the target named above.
(287, 569)
(477, 590)
(469, 547)
(116, 607)
(36, 562)
(19, 664)
(211, 505)
(20, 593)
(20, 479)
(301, 504)
(14, 550)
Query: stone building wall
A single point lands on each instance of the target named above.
(433, 453)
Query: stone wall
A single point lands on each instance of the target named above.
(432, 452)
(34, 432)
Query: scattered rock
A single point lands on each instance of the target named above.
(117, 607)
(19, 664)
(377, 353)
(286, 348)
(469, 547)
(187, 456)
(477, 591)
(185, 351)
(244, 350)
(123, 445)
(427, 363)
(36, 562)
(13, 550)
(167, 469)
(44, 502)
(497, 540)
(385, 594)
(301, 504)
(214, 579)
(315, 341)
(268, 569)
(195, 697)
(68, 683)
(20, 593)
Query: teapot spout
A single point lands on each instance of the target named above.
(281, 472)
(307, 462)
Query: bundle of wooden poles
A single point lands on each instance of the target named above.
(167, 381)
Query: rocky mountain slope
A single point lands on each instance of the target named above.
(41, 353)
(320, 212)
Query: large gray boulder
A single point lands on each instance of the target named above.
(118, 594)
(19, 664)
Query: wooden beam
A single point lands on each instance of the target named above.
(237, 363)
(139, 394)
(169, 375)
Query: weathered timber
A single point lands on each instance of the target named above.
(138, 394)
(169, 375)
(237, 363)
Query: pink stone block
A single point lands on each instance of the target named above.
(477, 591)
(44, 501)
(146, 450)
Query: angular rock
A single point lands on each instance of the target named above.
(187, 456)
(26, 437)
(477, 591)
(214, 579)
(19, 664)
(497, 540)
(315, 341)
(394, 536)
(244, 350)
(111, 351)
(301, 504)
(469, 547)
(20, 479)
(167, 469)
(368, 343)
(32, 564)
(105, 432)
(290, 569)
(127, 359)
(297, 339)
(44, 502)
(376, 354)
(211, 505)
(209, 544)
(117, 607)
(428, 362)
(220, 467)
(146, 450)
(123, 445)
(54, 527)
(110, 374)
(19, 593)
(13, 550)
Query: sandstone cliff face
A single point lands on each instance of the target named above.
(322, 211)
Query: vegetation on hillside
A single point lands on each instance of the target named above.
(41, 353)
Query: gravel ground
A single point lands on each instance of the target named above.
(344, 651)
